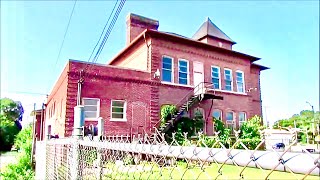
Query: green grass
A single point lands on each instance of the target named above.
(181, 171)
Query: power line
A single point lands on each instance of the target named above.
(24, 92)
(65, 34)
(103, 30)
(114, 19)
(106, 36)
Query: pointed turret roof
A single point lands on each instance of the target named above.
(208, 28)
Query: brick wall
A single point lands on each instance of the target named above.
(111, 83)
(56, 105)
(134, 58)
(250, 102)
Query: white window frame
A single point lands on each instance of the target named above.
(172, 68)
(124, 119)
(188, 79)
(230, 77)
(245, 118)
(219, 72)
(243, 82)
(98, 108)
(230, 121)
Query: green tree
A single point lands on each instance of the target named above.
(306, 120)
(22, 169)
(250, 134)
(224, 133)
(183, 125)
(10, 117)
(250, 128)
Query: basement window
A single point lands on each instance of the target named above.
(229, 122)
(91, 107)
(229, 117)
(242, 118)
(167, 72)
(118, 110)
(217, 114)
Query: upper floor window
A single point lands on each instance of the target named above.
(118, 110)
(228, 79)
(217, 114)
(91, 107)
(167, 69)
(215, 77)
(242, 118)
(183, 71)
(240, 81)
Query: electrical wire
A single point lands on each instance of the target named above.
(114, 19)
(103, 30)
(64, 36)
(106, 36)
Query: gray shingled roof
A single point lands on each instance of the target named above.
(208, 28)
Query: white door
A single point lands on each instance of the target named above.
(198, 77)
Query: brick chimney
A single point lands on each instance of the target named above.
(137, 24)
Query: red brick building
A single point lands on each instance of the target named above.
(157, 68)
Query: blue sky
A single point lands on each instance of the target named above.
(284, 34)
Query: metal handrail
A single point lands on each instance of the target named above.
(186, 97)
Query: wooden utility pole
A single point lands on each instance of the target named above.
(33, 132)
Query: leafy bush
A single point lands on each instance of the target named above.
(166, 113)
(250, 128)
(224, 133)
(8, 131)
(250, 144)
(128, 159)
(23, 168)
(23, 139)
(205, 141)
(10, 117)
(249, 134)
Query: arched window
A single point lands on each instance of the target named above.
(242, 118)
(230, 121)
(217, 114)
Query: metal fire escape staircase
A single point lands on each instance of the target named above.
(197, 95)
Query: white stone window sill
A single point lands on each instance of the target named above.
(230, 92)
(175, 84)
(118, 120)
(91, 119)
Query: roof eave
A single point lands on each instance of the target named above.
(261, 67)
(232, 42)
(141, 35)
(252, 58)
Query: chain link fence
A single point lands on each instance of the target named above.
(152, 157)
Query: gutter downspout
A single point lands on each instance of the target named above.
(80, 82)
(145, 40)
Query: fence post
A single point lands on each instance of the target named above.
(77, 136)
(99, 163)
(75, 163)
(99, 149)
